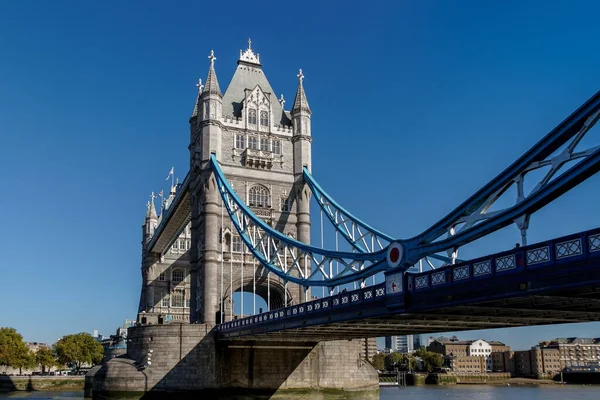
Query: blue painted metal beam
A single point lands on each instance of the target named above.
(540, 151)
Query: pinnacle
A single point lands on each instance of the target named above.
(151, 213)
(300, 102)
(212, 84)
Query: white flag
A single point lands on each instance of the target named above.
(171, 172)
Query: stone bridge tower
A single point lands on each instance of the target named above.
(262, 149)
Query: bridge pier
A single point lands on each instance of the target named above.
(187, 358)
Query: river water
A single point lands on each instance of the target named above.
(459, 392)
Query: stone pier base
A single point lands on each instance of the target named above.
(187, 358)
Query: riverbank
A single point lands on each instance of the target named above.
(41, 383)
(500, 378)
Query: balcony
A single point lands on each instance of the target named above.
(257, 159)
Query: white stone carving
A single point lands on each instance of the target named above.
(249, 56)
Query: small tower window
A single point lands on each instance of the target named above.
(161, 277)
(286, 204)
(252, 116)
(165, 300)
(253, 143)
(264, 118)
(277, 146)
(240, 142)
(264, 144)
(237, 246)
(177, 275)
(259, 197)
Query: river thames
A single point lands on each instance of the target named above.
(475, 392)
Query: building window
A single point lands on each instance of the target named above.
(252, 116)
(253, 143)
(165, 300)
(258, 197)
(177, 299)
(286, 204)
(237, 246)
(277, 146)
(240, 142)
(161, 277)
(177, 275)
(264, 144)
(264, 118)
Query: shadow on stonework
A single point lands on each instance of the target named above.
(6, 384)
(187, 361)
(220, 370)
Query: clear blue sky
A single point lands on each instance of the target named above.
(415, 106)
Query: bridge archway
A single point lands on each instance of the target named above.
(270, 294)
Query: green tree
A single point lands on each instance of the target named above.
(430, 359)
(13, 350)
(392, 359)
(409, 361)
(45, 359)
(78, 349)
(25, 359)
(378, 361)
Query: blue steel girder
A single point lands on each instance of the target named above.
(471, 221)
(361, 236)
(311, 266)
(288, 258)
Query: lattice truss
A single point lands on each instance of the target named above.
(361, 236)
(291, 259)
(550, 168)
(558, 155)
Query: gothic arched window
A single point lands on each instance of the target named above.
(252, 116)
(259, 197)
(264, 118)
(177, 299)
(177, 275)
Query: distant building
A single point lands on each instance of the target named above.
(575, 352)
(471, 355)
(400, 344)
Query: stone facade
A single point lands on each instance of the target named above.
(262, 149)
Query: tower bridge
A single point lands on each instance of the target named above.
(240, 222)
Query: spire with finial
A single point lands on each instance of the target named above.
(300, 102)
(249, 56)
(212, 84)
(151, 212)
(197, 106)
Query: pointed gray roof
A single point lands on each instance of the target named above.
(300, 102)
(212, 84)
(248, 75)
(151, 213)
(197, 105)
